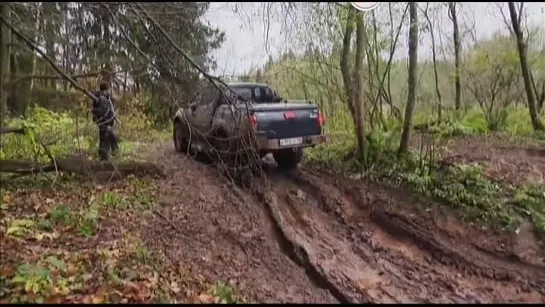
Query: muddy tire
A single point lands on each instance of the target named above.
(288, 158)
(180, 141)
(224, 147)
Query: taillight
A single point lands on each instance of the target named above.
(321, 119)
(253, 121)
(290, 115)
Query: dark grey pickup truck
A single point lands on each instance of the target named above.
(282, 127)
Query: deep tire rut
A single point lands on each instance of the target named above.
(297, 253)
(397, 259)
(399, 226)
(328, 257)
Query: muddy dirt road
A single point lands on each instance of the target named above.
(309, 237)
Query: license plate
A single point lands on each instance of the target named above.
(292, 141)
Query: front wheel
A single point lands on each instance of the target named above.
(288, 158)
(180, 142)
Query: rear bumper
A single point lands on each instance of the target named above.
(274, 144)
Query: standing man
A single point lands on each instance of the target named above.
(104, 116)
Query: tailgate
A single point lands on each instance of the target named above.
(284, 120)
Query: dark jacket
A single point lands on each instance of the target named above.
(103, 109)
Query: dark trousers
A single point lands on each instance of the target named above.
(107, 142)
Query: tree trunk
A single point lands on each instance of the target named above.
(67, 52)
(435, 72)
(457, 50)
(344, 64)
(36, 35)
(49, 37)
(126, 76)
(521, 46)
(358, 88)
(539, 91)
(412, 79)
(541, 99)
(14, 101)
(5, 52)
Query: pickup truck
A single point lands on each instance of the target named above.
(214, 118)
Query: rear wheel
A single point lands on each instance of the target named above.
(224, 147)
(180, 142)
(288, 158)
(237, 156)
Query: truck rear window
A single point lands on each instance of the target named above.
(244, 92)
(258, 94)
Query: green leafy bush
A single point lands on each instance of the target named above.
(71, 133)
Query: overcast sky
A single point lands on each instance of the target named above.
(245, 44)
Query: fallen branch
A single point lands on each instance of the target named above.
(426, 126)
(80, 165)
(55, 77)
(6, 130)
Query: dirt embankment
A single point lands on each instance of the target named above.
(502, 159)
(310, 237)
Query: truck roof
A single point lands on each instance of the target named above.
(246, 84)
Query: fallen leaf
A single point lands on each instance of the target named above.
(153, 281)
(206, 298)
(57, 263)
(19, 227)
(174, 287)
(73, 298)
(115, 297)
(6, 201)
(103, 290)
(7, 272)
(132, 287)
(45, 235)
(300, 194)
(55, 299)
(144, 295)
(189, 293)
(98, 299)
(6, 198)
(31, 297)
(71, 270)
